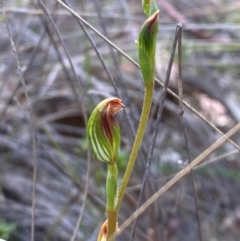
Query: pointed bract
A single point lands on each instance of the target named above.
(102, 236)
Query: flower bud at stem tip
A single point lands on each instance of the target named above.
(152, 21)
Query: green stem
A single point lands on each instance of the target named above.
(111, 185)
(111, 191)
(147, 102)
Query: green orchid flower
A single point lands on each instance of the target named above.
(103, 130)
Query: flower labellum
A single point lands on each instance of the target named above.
(103, 130)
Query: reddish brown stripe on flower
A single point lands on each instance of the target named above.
(107, 117)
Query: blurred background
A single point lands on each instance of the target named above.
(62, 75)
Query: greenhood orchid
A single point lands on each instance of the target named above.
(104, 131)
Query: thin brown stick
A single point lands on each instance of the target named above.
(181, 113)
(180, 175)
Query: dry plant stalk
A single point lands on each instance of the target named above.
(180, 175)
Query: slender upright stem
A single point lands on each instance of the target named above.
(111, 190)
(149, 87)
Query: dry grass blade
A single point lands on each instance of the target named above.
(2, 114)
(136, 64)
(32, 126)
(113, 55)
(81, 105)
(84, 196)
(68, 57)
(180, 175)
